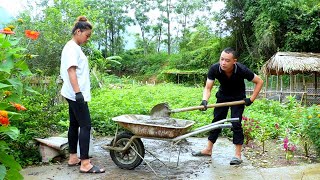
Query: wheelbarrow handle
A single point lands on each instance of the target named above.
(232, 103)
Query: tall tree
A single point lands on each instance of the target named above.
(54, 21)
(260, 28)
(141, 9)
(113, 19)
(165, 7)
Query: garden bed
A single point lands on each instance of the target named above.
(274, 155)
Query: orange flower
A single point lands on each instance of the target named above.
(32, 34)
(19, 107)
(4, 113)
(6, 31)
(4, 121)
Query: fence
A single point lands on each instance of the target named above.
(43, 83)
(307, 98)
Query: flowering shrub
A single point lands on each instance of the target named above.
(300, 124)
(289, 148)
(13, 68)
(249, 128)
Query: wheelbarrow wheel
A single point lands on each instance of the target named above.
(127, 159)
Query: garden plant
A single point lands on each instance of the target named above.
(13, 68)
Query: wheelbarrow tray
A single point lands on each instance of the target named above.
(143, 125)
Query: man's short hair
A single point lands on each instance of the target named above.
(232, 51)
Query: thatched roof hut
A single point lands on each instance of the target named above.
(292, 63)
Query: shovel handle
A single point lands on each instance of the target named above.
(232, 103)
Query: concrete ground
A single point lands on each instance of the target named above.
(165, 167)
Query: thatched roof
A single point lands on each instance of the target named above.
(292, 63)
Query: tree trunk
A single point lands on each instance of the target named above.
(159, 39)
(106, 44)
(169, 35)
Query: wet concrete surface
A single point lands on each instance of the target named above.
(167, 166)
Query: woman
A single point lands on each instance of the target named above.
(74, 71)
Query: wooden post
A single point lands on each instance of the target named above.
(271, 83)
(281, 88)
(277, 86)
(291, 83)
(315, 83)
(305, 90)
(266, 86)
(296, 85)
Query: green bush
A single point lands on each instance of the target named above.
(41, 120)
(311, 124)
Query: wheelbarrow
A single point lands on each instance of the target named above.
(127, 150)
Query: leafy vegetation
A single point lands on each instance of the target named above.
(139, 99)
(273, 120)
(269, 119)
(255, 28)
(13, 67)
(261, 28)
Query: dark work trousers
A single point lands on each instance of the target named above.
(221, 113)
(79, 116)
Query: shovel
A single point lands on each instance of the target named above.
(162, 110)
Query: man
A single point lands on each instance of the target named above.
(231, 76)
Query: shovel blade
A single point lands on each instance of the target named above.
(161, 110)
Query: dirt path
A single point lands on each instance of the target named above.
(189, 167)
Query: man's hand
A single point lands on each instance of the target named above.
(79, 97)
(247, 101)
(204, 103)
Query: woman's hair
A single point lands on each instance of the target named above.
(82, 23)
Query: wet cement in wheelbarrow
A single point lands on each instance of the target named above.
(189, 167)
(148, 120)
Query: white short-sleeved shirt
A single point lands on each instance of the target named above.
(72, 55)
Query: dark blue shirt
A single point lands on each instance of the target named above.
(233, 86)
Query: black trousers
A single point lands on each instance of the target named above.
(79, 116)
(221, 113)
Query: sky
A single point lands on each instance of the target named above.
(13, 7)
(10, 9)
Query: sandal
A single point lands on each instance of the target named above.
(94, 169)
(235, 161)
(76, 164)
(199, 154)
